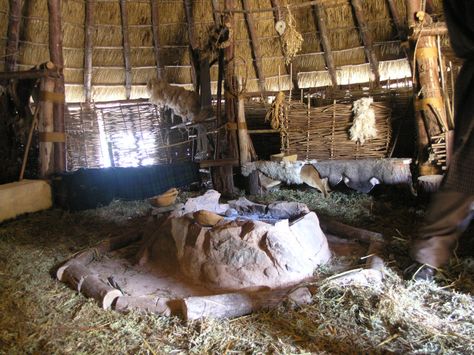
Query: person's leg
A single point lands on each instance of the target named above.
(448, 216)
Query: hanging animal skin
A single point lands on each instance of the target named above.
(183, 102)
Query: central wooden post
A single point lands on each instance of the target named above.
(431, 120)
(56, 54)
(222, 176)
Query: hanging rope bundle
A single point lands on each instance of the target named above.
(276, 114)
(291, 39)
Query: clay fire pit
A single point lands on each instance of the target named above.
(252, 246)
(205, 259)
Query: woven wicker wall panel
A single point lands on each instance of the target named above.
(322, 133)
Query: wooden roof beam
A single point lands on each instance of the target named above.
(402, 35)
(255, 45)
(126, 48)
(323, 32)
(13, 35)
(89, 27)
(155, 23)
(193, 45)
(277, 17)
(366, 39)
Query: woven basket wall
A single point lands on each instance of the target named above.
(323, 132)
(133, 132)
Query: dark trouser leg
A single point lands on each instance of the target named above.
(447, 218)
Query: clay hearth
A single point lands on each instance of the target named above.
(252, 246)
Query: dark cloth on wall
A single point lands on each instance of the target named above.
(460, 19)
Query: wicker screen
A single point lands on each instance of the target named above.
(323, 132)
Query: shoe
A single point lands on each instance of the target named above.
(418, 272)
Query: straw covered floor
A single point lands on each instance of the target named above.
(38, 314)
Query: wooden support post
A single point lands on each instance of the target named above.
(156, 38)
(46, 153)
(277, 17)
(13, 35)
(88, 32)
(430, 110)
(222, 176)
(193, 44)
(56, 54)
(246, 149)
(126, 48)
(366, 39)
(320, 23)
(255, 45)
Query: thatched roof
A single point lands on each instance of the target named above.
(108, 65)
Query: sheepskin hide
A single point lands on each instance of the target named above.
(363, 127)
(183, 102)
(287, 171)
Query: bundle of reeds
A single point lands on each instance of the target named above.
(323, 132)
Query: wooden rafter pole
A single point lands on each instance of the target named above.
(193, 43)
(401, 30)
(13, 36)
(255, 46)
(156, 38)
(402, 35)
(318, 13)
(88, 31)
(56, 55)
(277, 17)
(366, 39)
(126, 48)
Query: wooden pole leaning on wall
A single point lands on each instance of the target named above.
(57, 100)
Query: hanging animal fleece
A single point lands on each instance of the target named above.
(184, 103)
(363, 128)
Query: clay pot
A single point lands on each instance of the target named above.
(165, 199)
(206, 218)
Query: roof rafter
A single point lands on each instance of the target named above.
(126, 48)
(13, 35)
(255, 46)
(88, 28)
(323, 31)
(155, 23)
(366, 39)
(193, 45)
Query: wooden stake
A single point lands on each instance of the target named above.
(34, 124)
